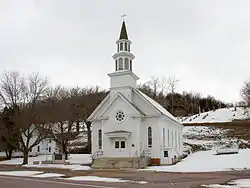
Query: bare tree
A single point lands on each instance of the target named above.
(245, 92)
(157, 85)
(32, 128)
(11, 87)
(172, 85)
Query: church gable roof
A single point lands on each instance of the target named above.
(99, 107)
(156, 105)
(103, 108)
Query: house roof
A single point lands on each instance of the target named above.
(155, 104)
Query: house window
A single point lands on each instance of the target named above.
(165, 153)
(120, 66)
(38, 148)
(122, 144)
(121, 46)
(126, 46)
(126, 64)
(100, 139)
(130, 65)
(149, 137)
(117, 144)
(164, 141)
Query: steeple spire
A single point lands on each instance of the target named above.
(123, 34)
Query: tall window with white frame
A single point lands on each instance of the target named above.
(168, 139)
(164, 138)
(172, 138)
(150, 141)
(100, 139)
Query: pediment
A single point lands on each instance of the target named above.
(114, 102)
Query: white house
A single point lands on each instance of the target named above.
(128, 122)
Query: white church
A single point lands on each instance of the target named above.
(127, 122)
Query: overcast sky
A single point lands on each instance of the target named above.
(205, 44)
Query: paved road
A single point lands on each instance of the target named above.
(154, 179)
(20, 182)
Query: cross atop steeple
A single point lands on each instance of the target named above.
(123, 16)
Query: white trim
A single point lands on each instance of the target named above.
(98, 108)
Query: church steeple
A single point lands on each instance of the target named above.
(123, 75)
(123, 57)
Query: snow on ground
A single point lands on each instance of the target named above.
(80, 159)
(240, 183)
(206, 161)
(48, 175)
(59, 166)
(102, 179)
(73, 159)
(20, 173)
(76, 162)
(219, 116)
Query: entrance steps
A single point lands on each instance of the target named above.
(113, 163)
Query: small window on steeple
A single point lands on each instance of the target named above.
(116, 65)
(126, 63)
(117, 47)
(121, 46)
(130, 65)
(120, 66)
(126, 46)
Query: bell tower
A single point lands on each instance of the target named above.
(123, 75)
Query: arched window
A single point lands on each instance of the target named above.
(126, 64)
(100, 139)
(121, 46)
(130, 65)
(126, 46)
(149, 137)
(120, 66)
(116, 65)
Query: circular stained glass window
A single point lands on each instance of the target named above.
(120, 116)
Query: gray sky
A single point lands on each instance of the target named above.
(205, 44)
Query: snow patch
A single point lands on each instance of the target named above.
(102, 179)
(206, 161)
(240, 183)
(20, 173)
(48, 175)
(59, 166)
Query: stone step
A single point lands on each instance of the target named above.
(113, 162)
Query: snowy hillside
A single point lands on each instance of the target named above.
(219, 116)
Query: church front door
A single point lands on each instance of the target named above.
(120, 147)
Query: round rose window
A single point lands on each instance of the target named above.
(120, 116)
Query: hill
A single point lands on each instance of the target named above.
(222, 115)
